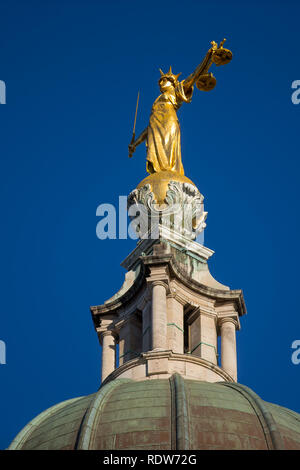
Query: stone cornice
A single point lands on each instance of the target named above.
(218, 294)
(175, 271)
(156, 259)
(118, 303)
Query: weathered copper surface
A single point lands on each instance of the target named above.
(164, 414)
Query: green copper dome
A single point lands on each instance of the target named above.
(172, 413)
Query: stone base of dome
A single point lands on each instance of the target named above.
(161, 364)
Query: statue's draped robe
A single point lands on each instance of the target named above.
(163, 136)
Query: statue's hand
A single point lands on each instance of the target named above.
(214, 46)
(131, 149)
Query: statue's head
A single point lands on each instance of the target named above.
(167, 80)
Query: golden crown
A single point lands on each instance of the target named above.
(169, 75)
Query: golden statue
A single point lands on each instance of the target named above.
(162, 135)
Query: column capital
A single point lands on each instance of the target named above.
(223, 320)
(102, 333)
(108, 333)
(158, 282)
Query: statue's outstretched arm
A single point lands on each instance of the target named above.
(141, 138)
(201, 69)
(217, 55)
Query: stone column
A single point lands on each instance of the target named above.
(175, 325)
(159, 315)
(228, 346)
(108, 353)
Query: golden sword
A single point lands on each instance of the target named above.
(133, 133)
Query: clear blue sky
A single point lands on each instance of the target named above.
(72, 71)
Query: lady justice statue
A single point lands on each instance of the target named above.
(162, 135)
